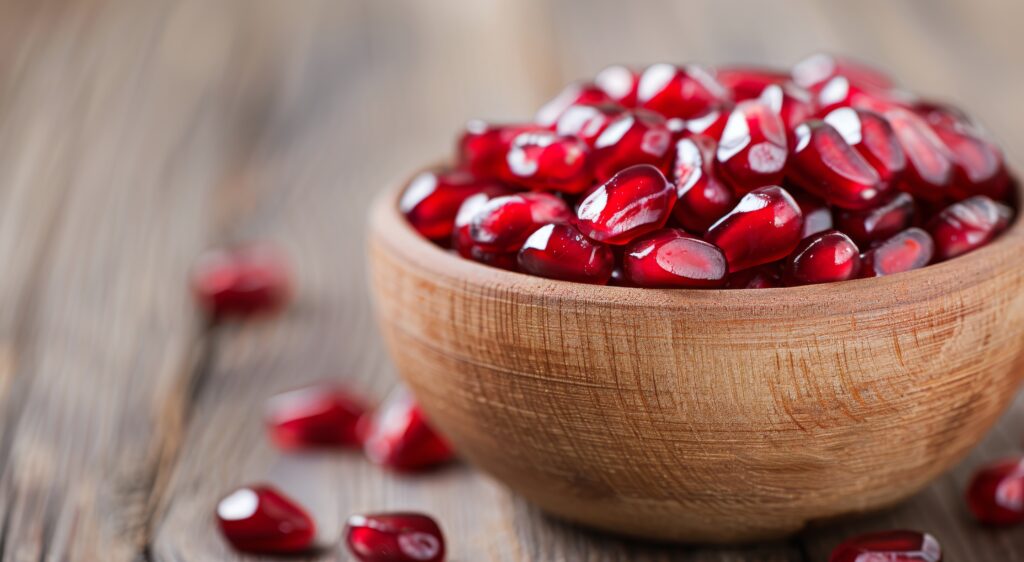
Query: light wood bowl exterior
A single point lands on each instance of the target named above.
(703, 416)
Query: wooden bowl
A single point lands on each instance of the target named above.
(703, 416)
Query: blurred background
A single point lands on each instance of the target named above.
(135, 134)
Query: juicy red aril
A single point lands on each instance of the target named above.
(819, 68)
(587, 122)
(978, 165)
(823, 258)
(241, 281)
(840, 91)
(747, 82)
(635, 201)
(911, 249)
(635, 137)
(967, 225)
(262, 520)
(317, 416)
(679, 91)
(996, 493)
(711, 124)
(793, 104)
(702, 197)
(559, 251)
(889, 546)
(823, 163)
(817, 216)
(432, 199)
(872, 136)
(764, 227)
(929, 162)
(879, 222)
(752, 149)
(763, 277)
(673, 258)
(576, 93)
(462, 239)
(620, 83)
(398, 436)
(394, 537)
(503, 223)
(483, 146)
(547, 161)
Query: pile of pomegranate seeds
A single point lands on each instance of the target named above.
(824, 173)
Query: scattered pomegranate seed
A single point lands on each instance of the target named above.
(543, 160)
(748, 82)
(823, 258)
(702, 197)
(929, 162)
(316, 416)
(241, 281)
(764, 227)
(911, 249)
(575, 93)
(502, 224)
(877, 223)
(819, 68)
(262, 520)
(394, 537)
(587, 122)
(679, 91)
(996, 493)
(673, 258)
(872, 136)
(817, 215)
(399, 437)
(763, 277)
(620, 83)
(968, 225)
(889, 546)
(432, 199)
(483, 146)
(825, 165)
(632, 203)
(635, 137)
(752, 149)
(559, 251)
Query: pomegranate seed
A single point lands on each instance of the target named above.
(840, 91)
(483, 146)
(544, 160)
(819, 68)
(673, 258)
(679, 91)
(432, 199)
(793, 104)
(823, 258)
(262, 520)
(632, 203)
(702, 197)
(763, 277)
(817, 216)
(968, 225)
(889, 546)
(559, 251)
(710, 124)
(996, 493)
(635, 137)
(587, 122)
(872, 136)
(620, 83)
(241, 281)
(747, 82)
(911, 249)
(929, 162)
(823, 163)
(502, 224)
(764, 227)
(394, 537)
(752, 150)
(978, 164)
(317, 416)
(466, 246)
(399, 437)
(573, 94)
(879, 222)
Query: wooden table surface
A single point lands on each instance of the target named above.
(136, 133)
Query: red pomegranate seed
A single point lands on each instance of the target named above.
(262, 520)
(620, 83)
(978, 164)
(817, 216)
(483, 146)
(241, 281)
(819, 68)
(673, 258)
(573, 94)
(877, 223)
(929, 162)
(502, 224)
(764, 227)
(316, 416)
(432, 199)
(394, 537)
(823, 258)
(462, 240)
(790, 102)
(889, 546)
(840, 91)
(710, 124)
(398, 436)
(752, 149)
(996, 493)
(544, 160)
(968, 225)
(872, 136)
(823, 163)
(911, 249)
(748, 82)
(679, 91)
(587, 122)
(635, 137)
(559, 251)
(702, 197)
(632, 203)
(763, 277)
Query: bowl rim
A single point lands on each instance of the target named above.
(389, 228)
